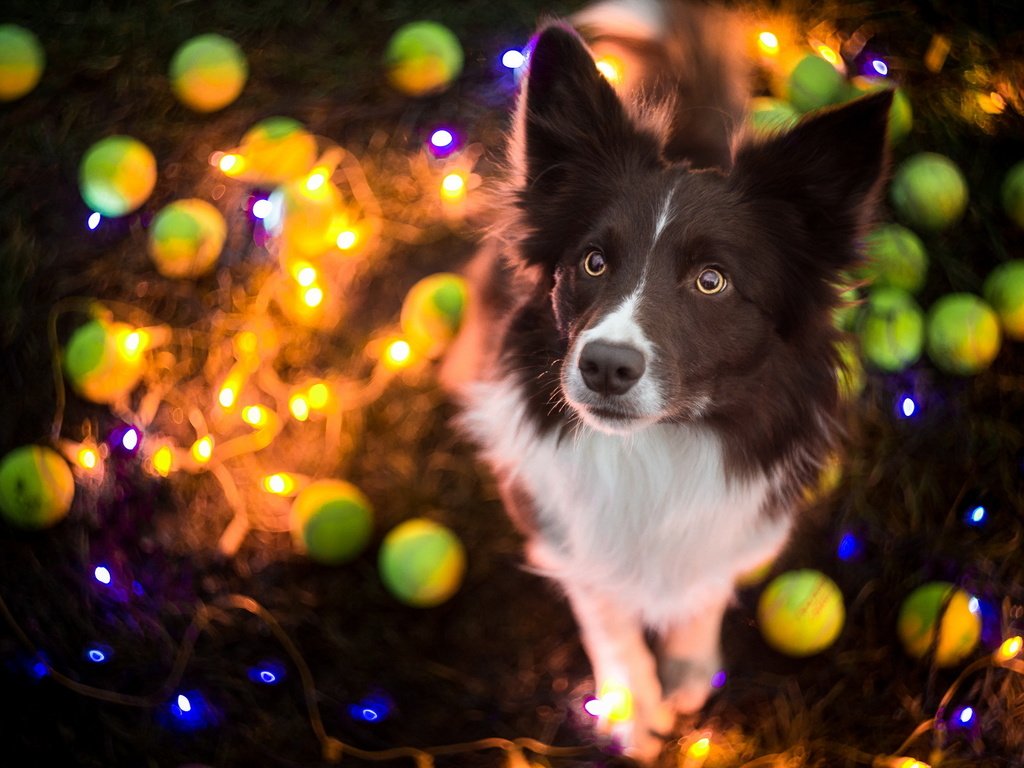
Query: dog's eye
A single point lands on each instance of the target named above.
(710, 281)
(594, 263)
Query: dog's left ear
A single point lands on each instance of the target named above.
(822, 177)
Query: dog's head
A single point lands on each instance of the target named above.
(684, 295)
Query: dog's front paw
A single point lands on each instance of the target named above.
(687, 683)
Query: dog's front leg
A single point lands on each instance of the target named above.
(625, 674)
(690, 656)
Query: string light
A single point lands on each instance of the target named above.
(254, 415)
(94, 219)
(316, 180)
(130, 439)
(163, 460)
(768, 43)
(879, 67)
(299, 407)
(906, 407)
(87, 458)
(267, 673)
(102, 574)
(513, 58)
(828, 54)
(453, 186)
(98, 654)
(318, 396)
(1009, 649)
(611, 68)
(202, 449)
(313, 297)
(346, 239)
(279, 484)
(975, 515)
(261, 208)
(398, 354)
(231, 164)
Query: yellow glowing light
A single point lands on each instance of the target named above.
(909, 762)
(398, 354)
(304, 273)
(163, 460)
(316, 179)
(87, 458)
(227, 396)
(202, 449)
(453, 186)
(246, 343)
(231, 164)
(299, 406)
(132, 344)
(992, 103)
(699, 749)
(254, 415)
(347, 239)
(318, 395)
(1010, 648)
(828, 54)
(279, 483)
(768, 43)
(313, 296)
(616, 702)
(611, 68)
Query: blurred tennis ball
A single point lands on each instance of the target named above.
(801, 612)
(423, 57)
(208, 72)
(36, 487)
(1013, 193)
(958, 630)
(891, 329)
(103, 360)
(432, 312)
(929, 191)
(963, 334)
(768, 115)
(814, 83)
(186, 238)
(331, 521)
(895, 257)
(274, 151)
(1004, 291)
(422, 562)
(21, 61)
(117, 175)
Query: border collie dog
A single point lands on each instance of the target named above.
(648, 360)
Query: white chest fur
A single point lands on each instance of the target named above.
(649, 518)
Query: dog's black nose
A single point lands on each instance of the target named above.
(611, 369)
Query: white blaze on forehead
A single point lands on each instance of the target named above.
(664, 216)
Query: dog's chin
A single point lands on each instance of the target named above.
(613, 421)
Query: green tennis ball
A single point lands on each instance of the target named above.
(1013, 193)
(21, 61)
(896, 258)
(103, 360)
(891, 329)
(1004, 291)
(814, 83)
(423, 57)
(208, 72)
(36, 487)
(331, 521)
(801, 613)
(275, 151)
(117, 175)
(768, 115)
(963, 334)
(432, 312)
(422, 562)
(186, 238)
(958, 630)
(929, 191)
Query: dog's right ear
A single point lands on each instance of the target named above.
(572, 138)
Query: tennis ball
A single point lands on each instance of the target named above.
(103, 360)
(768, 115)
(21, 61)
(422, 562)
(423, 57)
(801, 612)
(929, 191)
(896, 258)
(959, 628)
(276, 150)
(36, 487)
(963, 334)
(1013, 193)
(813, 83)
(117, 175)
(891, 329)
(432, 312)
(186, 238)
(208, 72)
(1004, 291)
(331, 521)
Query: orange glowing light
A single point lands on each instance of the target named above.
(699, 749)
(909, 762)
(304, 273)
(202, 449)
(299, 406)
(318, 396)
(611, 68)
(316, 179)
(992, 103)
(87, 458)
(347, 239)
(768, 42)
(254, 415)
(163, 461)
(231, 164)
(616, 702)
(828, 54)
(313, 297)
(1010, 648)
(246, 343)
(279, 483)
(227, 396)
(453, 186)
(132, 344)
(398, 354)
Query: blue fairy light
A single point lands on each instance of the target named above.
(965, 716)
(513, 58)
(879, 67)
(98, 654)
(718, 679)
(907, 407)
(188, 711)
(849, 547)
(975, 515)
(267, 673)
(371, 709)
(102, 575)
(94, 220)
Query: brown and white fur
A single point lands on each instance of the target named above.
(648, 362)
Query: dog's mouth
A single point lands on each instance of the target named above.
(612, 419)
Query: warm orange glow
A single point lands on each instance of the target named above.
(254, 415)
(87, 458)
(313, 297)
(299, 406)
(992, 103)
(202, 449)
(453, 186)
(231, 164)
(246, 343)
(163, 461)
(398, 354)
(318, 395)
(611, 68)
(347, 239)
(227, 396)
(699, 749)
(304, 273)
(316, 179)
(132, 344)
(828, 54)
(1010, 648)
(279, 483)
(768, 42)
(616, 702)
(909, 762)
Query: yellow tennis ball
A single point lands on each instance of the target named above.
(117, 175)
(963, 334)
(331, 521)
(21, 61)
(432, 312)
(36, 487)
(103, 360)
(1004, 291)
(186, 238)
(276, 150)
(959, 628)
(801, 612)
(422, 562)
(423, 57)
(929, 191)
(208, 72)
